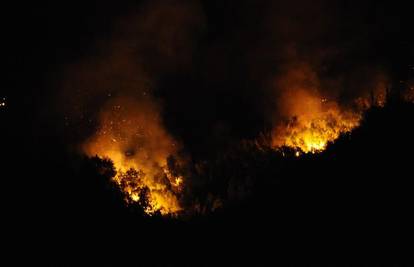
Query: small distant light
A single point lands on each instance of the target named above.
(3, 102)
(297, 154)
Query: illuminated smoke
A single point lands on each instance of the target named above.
(318, 92)
(310, 120)
(290, 63)
(110, 96)
(132, 136)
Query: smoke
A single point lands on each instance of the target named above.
(201, 76)
(320, 40)
(321, 73)
(131, 131)
(154, 40)
(109, 96)
(131, 134)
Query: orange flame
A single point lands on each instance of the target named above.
(311, 121)
(131, 135)
(315, 123)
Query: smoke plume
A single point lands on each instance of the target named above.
(198, 77)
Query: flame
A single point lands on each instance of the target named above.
(311, 121)
(316, 123)
(130, 133)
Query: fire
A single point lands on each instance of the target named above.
(130, 133)
(317, 123)
(310, 120)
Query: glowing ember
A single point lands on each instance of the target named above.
(132, 136)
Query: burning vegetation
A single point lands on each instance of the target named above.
(131, 135)
(116, 85)
(133, 74)
(308, 120)
(314, 123)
